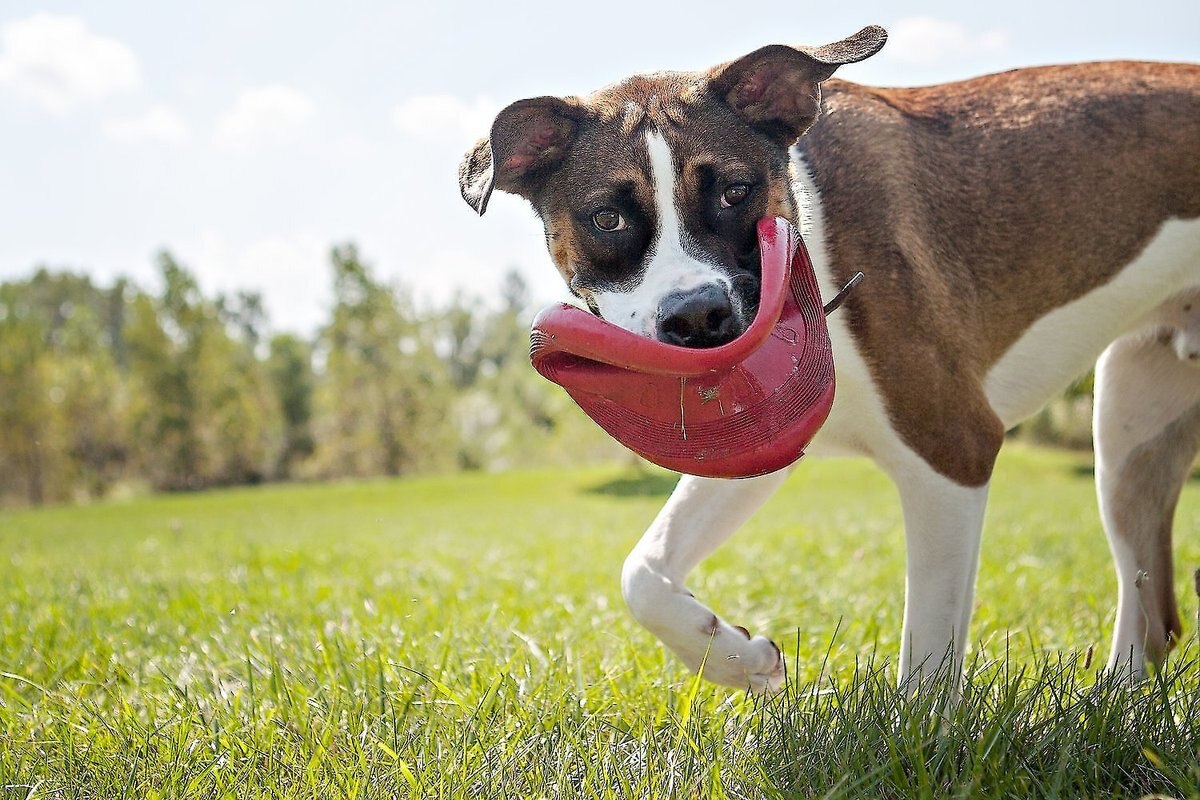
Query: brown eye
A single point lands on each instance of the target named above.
(735, 194)
(608, 220)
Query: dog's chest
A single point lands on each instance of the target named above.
(858, 422)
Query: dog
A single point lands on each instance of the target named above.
(1013, 229)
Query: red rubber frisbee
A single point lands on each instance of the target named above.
(745, 408)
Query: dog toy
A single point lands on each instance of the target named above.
(744, 408)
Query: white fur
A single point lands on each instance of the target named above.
(700, 514)
(943, 527)
(1186, 345)
(858, 423)
(669, 267)
(1151, 377)
(1063, 344)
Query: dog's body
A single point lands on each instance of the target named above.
(1012, 228)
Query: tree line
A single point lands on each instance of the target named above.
(107, 387)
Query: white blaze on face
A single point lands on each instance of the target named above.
(669, 267)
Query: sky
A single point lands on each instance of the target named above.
(249, 137)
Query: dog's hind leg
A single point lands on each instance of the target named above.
(1147, 432)
(700, 514)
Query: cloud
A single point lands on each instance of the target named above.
(928, 40)
(56, 62)
(158, 124)
(263, 115)
(294, 274)
(291, 270)
(451, 269)
(440, 115)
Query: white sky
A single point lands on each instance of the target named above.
(248, 137)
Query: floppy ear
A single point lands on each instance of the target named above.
(776, 88)
(528, 139)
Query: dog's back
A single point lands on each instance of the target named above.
(1071, 168)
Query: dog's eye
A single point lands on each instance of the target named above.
(735, 194)
(608, 220)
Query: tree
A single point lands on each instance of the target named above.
(384, 391)
(61, 421)
(507, 414)
(205, 417)
(290, 368)
(90, 401)
(25, 413)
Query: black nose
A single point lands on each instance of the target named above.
(700, 317)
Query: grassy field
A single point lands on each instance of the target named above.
(465, 637)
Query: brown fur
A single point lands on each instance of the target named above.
(947, 261)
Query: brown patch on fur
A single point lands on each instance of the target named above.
(560, 240)
(657, 98)
(713, 628)
(781, 202)
(948, 261)
(632, 119)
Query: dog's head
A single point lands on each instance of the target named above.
(650, 189)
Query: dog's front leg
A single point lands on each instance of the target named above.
(700, 514)
(943, 524)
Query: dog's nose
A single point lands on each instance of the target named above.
(701, 317)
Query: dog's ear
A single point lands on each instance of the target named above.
(528, 139)
(777, 88)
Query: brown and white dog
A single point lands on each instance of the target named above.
(1013, 228)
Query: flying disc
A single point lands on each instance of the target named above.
(744, 408)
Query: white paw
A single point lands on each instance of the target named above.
(1128, 665)
(734, 658)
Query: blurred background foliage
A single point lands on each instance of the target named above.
(109, 390)
(112, 390)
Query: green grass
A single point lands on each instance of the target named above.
(465, 637)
